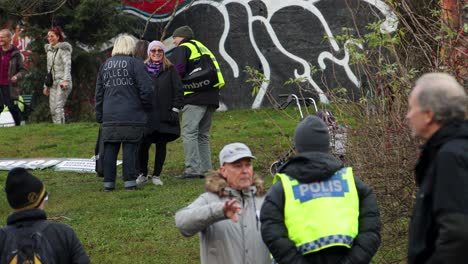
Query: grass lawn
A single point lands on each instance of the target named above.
(136, 227)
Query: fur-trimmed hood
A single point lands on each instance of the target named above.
(216, 183)
(60, 45)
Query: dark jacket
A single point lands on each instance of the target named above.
(15, 68)
(180, 57)
(123, 92)
(439, 225)
(313, 167)
(168, 94)
(65, 244)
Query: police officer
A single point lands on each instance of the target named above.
(201, 99)
(317, 211)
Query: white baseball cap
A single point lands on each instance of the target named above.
(233, 152)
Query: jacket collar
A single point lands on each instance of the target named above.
(215, 183)
(30, 215)
(435, 142)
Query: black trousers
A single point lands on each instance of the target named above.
(5, 99)
(160, 154)
(129, 172)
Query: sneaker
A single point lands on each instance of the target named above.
(141, 179)
(156, 181)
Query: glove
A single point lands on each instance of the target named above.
(174, 118)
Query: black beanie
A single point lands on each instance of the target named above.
(312, 135)
(184, 32)
(23, 190)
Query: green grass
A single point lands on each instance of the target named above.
(136, 227)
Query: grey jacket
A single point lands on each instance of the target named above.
(221, 239)
(62, 61)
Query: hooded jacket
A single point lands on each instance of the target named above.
(62, 62)
(311, 167)
(65, 244)
(221, 239)
(439, 225)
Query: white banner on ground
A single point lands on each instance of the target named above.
(32, 164)
(61, 164)
(79, 165)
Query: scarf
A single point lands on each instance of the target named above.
(153, 67)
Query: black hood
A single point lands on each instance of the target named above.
(311, 166)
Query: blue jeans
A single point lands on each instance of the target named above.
(196, 124)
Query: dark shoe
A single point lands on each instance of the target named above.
(133, 188)
(189, 176)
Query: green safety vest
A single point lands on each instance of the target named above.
(20, 105)
(204, 50)
(322, 214)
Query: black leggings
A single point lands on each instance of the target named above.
(159, 157)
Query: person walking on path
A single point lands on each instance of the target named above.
(11, 71)
(59, 64)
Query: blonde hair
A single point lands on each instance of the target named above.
(124, 45)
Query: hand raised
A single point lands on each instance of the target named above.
(231, 209)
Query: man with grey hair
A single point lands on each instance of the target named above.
(227, 214)
(439, 226)
(11, 71)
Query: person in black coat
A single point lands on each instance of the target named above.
(315, 166)
(163, 122)
(439, 226)
(27, 196)
(123, 98)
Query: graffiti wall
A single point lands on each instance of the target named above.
(283, 39)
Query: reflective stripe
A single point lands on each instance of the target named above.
(204, 50)
(323, 242)
(321, 214)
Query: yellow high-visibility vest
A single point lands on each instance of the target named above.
(204, 50)
(322, 214)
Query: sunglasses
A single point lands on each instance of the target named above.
(156, 51)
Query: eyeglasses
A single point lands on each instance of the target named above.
(156, 51)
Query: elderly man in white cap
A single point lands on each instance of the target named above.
(227, 214)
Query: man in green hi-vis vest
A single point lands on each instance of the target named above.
(317, 211)
(201, 99)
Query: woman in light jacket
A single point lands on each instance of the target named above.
(59, 62)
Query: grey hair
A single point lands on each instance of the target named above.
(124, 45)
(7, 31)
(443, 95)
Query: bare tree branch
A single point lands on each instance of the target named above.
(41, 13)
(152, 14)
